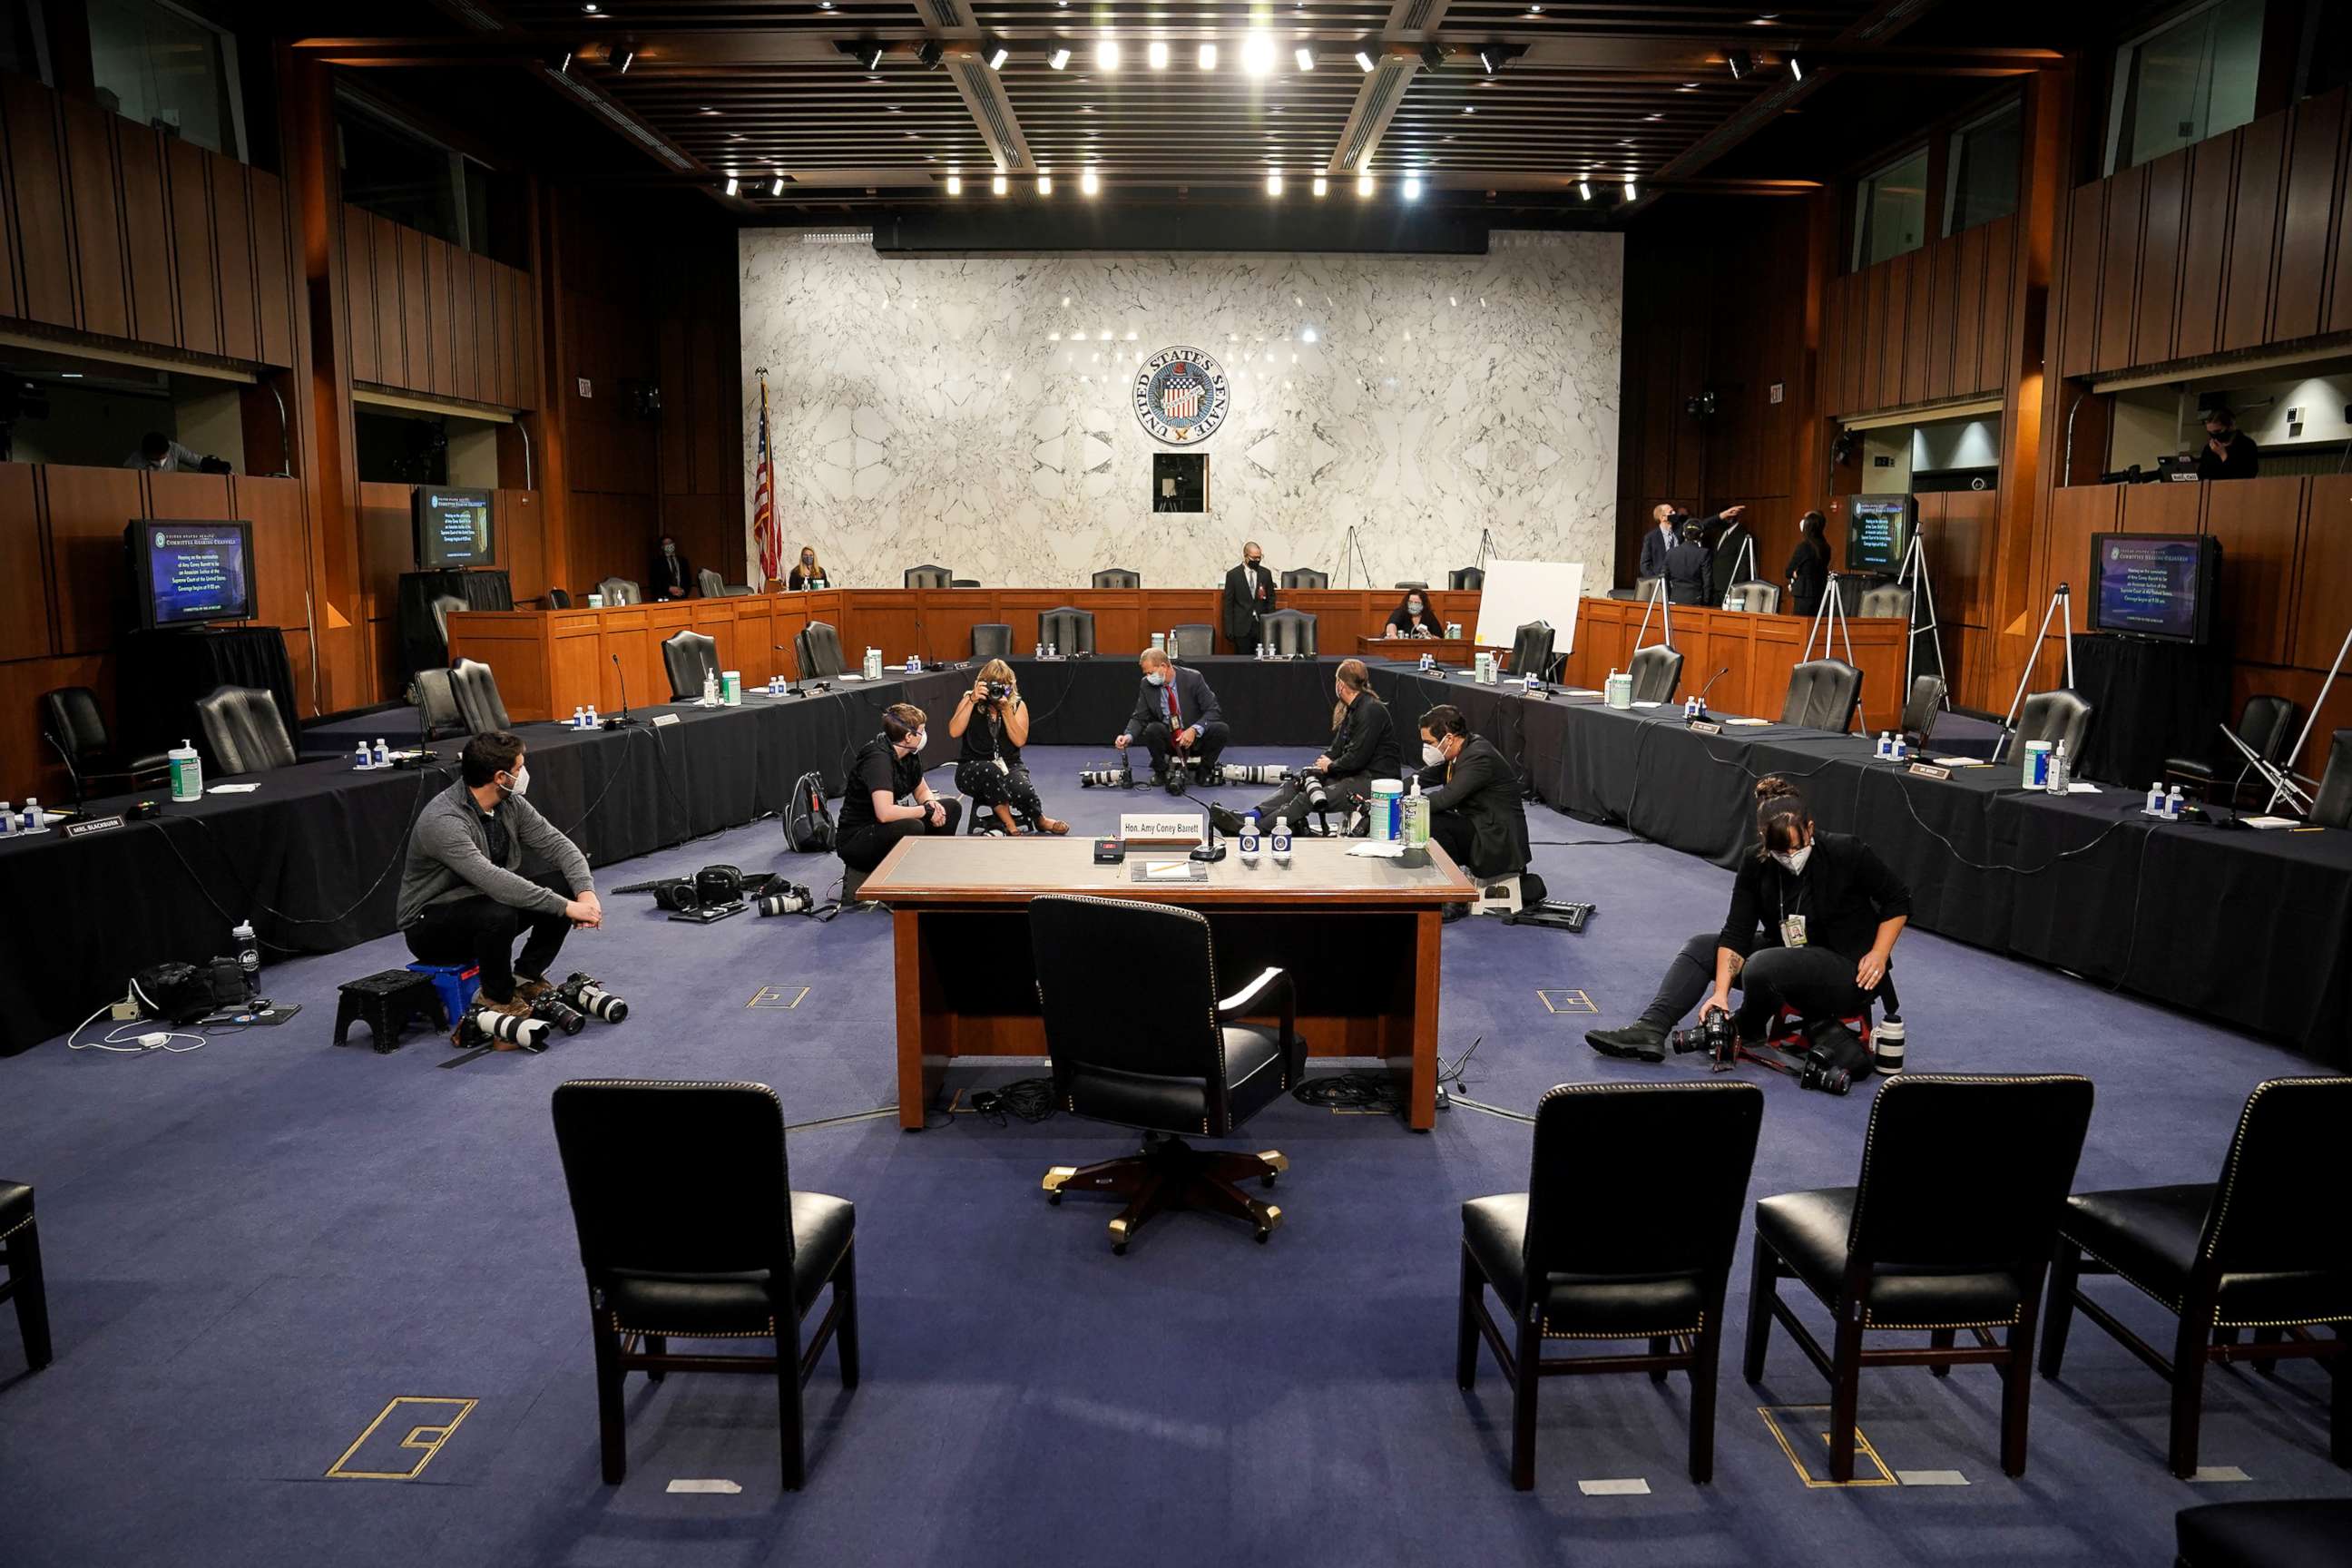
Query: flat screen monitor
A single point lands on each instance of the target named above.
(188, 573)
(1877, 532)
(2155, 585)
(453, 526)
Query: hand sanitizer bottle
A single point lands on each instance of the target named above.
(1281, 843)
(2058, 769)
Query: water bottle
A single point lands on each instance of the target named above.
(1052, 651)
(1041, 651)
(32, 814)
(363, 759)
(248, 955)
(1901, 747)
(1250, 841)
(2172, 804)
(382, 753)
(1690, 705)
(914, 664)
(1261, 651)
(592, 716)
(7, 819)
(2058, 770)
(1282, 842)
(187, 773)
(2155, 806)
(1173, 651)
(1885, 747)
(1533, 682)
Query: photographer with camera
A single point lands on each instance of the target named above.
(462, 899)
(993, 722)
(1473, 799)
(1363, 747)
(887, 798)
(1175, 714)
(1829, 910)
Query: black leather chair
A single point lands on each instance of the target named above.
(1463, 578)
(736, 591)
(816, 651)
(436, 696)
(1531, 650)
(1823, 695)
(1922, 707)
(479, 706)
(689, 1230)
(75, 730)
(1287, 632)
(620, 591)
(2054, 716)
(1886, 601)
(441, 606)
(1070, 630)
(1117, 577)
(930, 577)
(1411, 583)
(2332, 805)
(687, 656)
(2267, 726)
(1647, 589)
(2249, 1251)
(991, 640)
(244, 731)
(2289, 1532)
(1306, 577)
(963, 582)
(1941, 1233)
(20, 1249)
(1567, 1268)
(1183, 1064)
(1658, 672)
(1194, 639)
(559, 599)
(709, 584)
(1757, 598)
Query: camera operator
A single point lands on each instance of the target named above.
(1830, 911)
(1363, 747)
(993, 722)
(1473, 799)
(462, 899)
(1175, 713)
(1413, 618)
(888, 798)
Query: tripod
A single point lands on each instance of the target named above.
(1746, 557)
(1913, 575)
(2284, 783)
(1352, 548)
(2061, 600)
(1485, 548)
(1665, 618)
(1829, 618)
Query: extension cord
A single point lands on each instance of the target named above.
(122, 1012)
(153, 1039)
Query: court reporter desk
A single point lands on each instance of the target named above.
(1359, 935)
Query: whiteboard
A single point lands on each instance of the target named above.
(1517, 592)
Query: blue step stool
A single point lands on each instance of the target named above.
(455, 983)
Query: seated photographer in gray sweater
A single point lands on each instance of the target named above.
(463, 897)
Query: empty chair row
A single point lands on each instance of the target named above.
(931, 576)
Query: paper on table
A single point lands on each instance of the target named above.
(1746, 722)
(1649, 704)
(1379, 849)
(231, 789)
(2072, 788)
(2269, 822)
(1170, 870)
(1962, 763)
(1581, 692)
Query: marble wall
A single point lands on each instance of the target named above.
(977, 413)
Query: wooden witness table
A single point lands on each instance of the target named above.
(1459, 652)
(1358, 936)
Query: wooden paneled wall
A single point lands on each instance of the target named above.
(1927, 327)
(427, 316)
(116, 230)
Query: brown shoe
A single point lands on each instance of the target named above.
(529, 988)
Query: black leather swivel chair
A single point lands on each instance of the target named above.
(1118, 577)
(963, 582)
(559, 599)
(2054, 716)
(441, 606)
(686, 656)
(2332, 805)
(816, 651)
(2267, 726)
(2249, 1251)
(930, 577)
(1567, 1268)
(1937, 1235)
(1646, 590)
(991, 640)
(244, 731)
(689, 1230)
(1887, 600)
(1070, 629)
(1658, 672)
(1414, 583)
(1757, 598)
(1287, 632)
(1195, 639)
(1823, 695)
(479, 705)
(75, 730)
(1466, 578)
(1531, 650)
(620, 591)
(736, 591)
(1183, 1064)
(1921, 707)
(709, 584)
(436, 696)
(1306, 577)
(20, 1250)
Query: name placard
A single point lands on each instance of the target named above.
(84, 828)
(662, 720)
(1160, 827)
(1705, 726)
(1929, 770)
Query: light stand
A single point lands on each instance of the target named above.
(1353, 548)
(1485, 547)
(1665, 617)
(1746, 556)
(1913, 573)
(1829, 618)
(2282, 782)
(2318, 701)
(2060, 600)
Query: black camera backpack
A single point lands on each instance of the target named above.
(808, 825)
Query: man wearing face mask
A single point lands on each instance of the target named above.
(1812, 926)
(1413, 618)
(669, 575)
(1175, 714)
(463, 896)
(1473, 799)
(888, 798)
(1249, 596)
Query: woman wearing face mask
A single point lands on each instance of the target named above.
(1363, 748)
(888, 798)
(1413, 617)
(993, 722)
(1812, 925)
(805, 573)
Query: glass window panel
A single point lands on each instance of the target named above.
(162, 66)
(1984, 170)
(2193, 79)
(1891, 210)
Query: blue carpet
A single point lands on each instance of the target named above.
(253, 1247)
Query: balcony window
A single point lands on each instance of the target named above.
(163, 67)
(1890, 210)
(2188, 81)
(1982, 182)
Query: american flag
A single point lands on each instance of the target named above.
(1180, 396)
(765, 535)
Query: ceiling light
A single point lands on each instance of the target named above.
(997, 55)
(1089, 182)
(628, 58)
(1584, 189)
(869, 54)
(1208, 57)
(1467, 109)
(1274, 185)
(1363, 185)
(589, 10)
(1632, 195)
(1304, 56)
(1045, 185)
(1796, 68)
(930, 51)
(1155, 54)
(1412, 187)
(955, 184)
(706, 109)
(777, 189)
(1257, 55)
(1364, 62)
(1488, 59)
(1322, 186)
(999, 185)
(565, 68)
(1106, 55)
(732, 185)
(1059, 59)
(1740, 61)
(1433, 56)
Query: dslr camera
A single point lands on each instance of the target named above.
(583, 994)
(997, 690)
(1715, 1035)
(1119, 777)
(782, 898)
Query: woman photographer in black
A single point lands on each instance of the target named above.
(993, 722)
(1363, 748)
(1829, 910)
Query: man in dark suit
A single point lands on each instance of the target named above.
(1658, 541)
(1473, 799)
(1249, 596)
(1176, 712)
(668, 575)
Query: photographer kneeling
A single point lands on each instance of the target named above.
(1363, 747)
(888, 772)
(1830, 911)
(462, 899)
(993, 722)
(1474, 800)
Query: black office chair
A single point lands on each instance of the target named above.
(1921, 707)
(1531, 650)
(436, 696)
(991, 640)
(1823, 695)
(816, 652)
(1117, 577)
(75, 730)
(688, 656)
(1184, 1065)
(559, 599)
(963, 583)
(2248, 1251)
(1886, 601)
(620, 591)
(709, 585)
(1306, 577)
(736, 591)
(1070, 629)
(2267, 726)
(1916, 1246)
(689, 1230)
(2287, 1532)
(243, 731)
(1466, 578)
(20, 1249)
(1658, 672)
(2332, 805)
(930, 577)
(1195, 639)
(1567, 1268)
(479, 706)
(1756, 598)
(441, 606)
(1423, 586)
(1647, 589)
(1287, 632)
(2054, 716)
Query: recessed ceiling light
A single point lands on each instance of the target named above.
(955, 184)
(1467, 109)
(1363, 188)
(999, 185)
(591, 9)
(1155, 55)
(1208, 57)
(1653, 117)
(1274, 185)
(1106, 55)
(997, 56)
(777, 189)
(1045, 185)
(1584, 189)
(1257, 55)
(1090, 183)
(1321, 185)
(1631, 193)
(1304, 56)
(1059, 59)
(732, 185)
(706, 109)
(1412, 187)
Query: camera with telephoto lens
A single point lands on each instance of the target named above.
(1251, 773)
(1309, 783)
(553, 1010)
(589, 997)
(1714, 1034)
(485, 1027)
(784, 899)
(1821, 1073)
(1120, 777)
(1836, 1058)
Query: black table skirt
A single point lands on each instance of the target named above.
(1087, 701)
(2151, 701)
(159, 676)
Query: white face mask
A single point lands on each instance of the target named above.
(519, 781)
(918, 741)
(1432, 753)
(1793, 861)
(669, 550)
(1413, 608)
(1156, 677)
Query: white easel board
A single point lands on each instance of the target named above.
(1517, 592)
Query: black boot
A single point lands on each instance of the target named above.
(1636, 1041)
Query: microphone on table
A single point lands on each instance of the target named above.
(621, 719)
(1703, 690)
